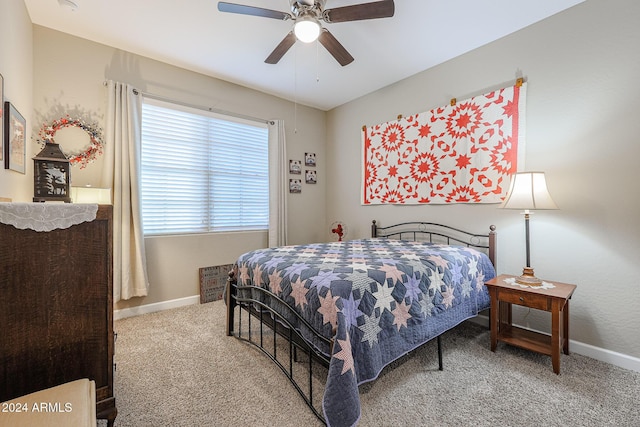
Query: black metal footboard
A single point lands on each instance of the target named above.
(250, 327)
(251, 318)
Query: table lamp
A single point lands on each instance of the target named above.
(101, 196)
(528, 191)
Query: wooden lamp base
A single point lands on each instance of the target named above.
(528, 278)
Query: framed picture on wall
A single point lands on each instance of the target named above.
(1, 116)
(15, 126)
(295, 186)
(309, 159)
(310, 176)
(295, 167)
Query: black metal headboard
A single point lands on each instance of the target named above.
(439, 233)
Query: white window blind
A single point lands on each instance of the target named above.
(202, 172)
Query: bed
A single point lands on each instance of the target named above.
(355, 306)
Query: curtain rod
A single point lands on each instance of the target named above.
(200, 107)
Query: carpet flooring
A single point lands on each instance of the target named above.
(178, 368)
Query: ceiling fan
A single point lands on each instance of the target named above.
(306, 15)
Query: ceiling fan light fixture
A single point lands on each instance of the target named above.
(307, 29)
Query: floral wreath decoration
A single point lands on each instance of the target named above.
(86, 155)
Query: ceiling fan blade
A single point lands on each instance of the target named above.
(281, 49)
(358, 12)
(251, 10)
(335, 48)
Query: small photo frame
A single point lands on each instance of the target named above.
(15, 139)
(295, 167)
(295, 186)
(310, 176)
(310, 159)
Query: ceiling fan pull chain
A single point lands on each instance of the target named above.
(317, 61)
(295, 90)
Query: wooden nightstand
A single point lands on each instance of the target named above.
(554, 300)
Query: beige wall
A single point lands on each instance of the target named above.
(16, 66)
(68, 78)
(583, 129)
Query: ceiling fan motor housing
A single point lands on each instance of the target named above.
(300, 9)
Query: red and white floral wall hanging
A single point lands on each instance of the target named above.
(462, 153)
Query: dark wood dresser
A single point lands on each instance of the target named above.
(56, 309)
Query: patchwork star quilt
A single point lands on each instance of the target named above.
(376, 298)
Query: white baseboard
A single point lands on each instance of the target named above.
(604, 355)
(158, 306)
(598, 353)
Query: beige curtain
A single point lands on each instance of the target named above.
(122, 173)
(278, 184)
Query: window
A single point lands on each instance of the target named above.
(202, 172)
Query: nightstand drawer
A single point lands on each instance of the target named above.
(539, 302)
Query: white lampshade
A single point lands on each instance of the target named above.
(307, 29)
(101, 196)
(528, 190)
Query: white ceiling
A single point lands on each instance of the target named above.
(194, 35)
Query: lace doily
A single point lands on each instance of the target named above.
(545, 285)
(46, 217)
